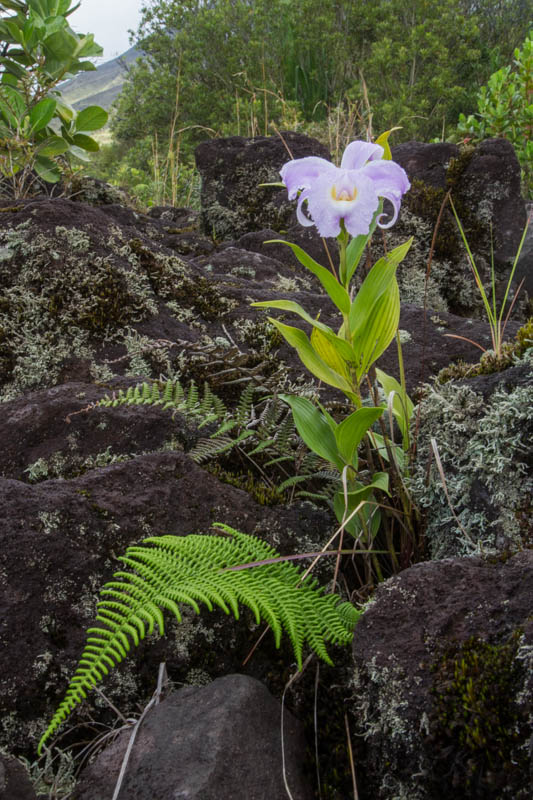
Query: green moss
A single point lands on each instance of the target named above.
(262, 493)
(477, 730)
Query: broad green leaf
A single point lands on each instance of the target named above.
(356, 247)
(65, 111)
(52, 146)
(86, 142)
(60, 48)
(87, 47)
(91, 118)
(12, 105)
(47, 169)
(351, 431)
(335, 291)
(402, 405)
(13, 72)
(83, 66)
(77, 152)
(313, 428)
(298, 339)
(41, 114)
(375, 283)
(371, 340)
(330, 353)
(341, 345)
(383, 140)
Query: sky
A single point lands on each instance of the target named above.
(110, 21)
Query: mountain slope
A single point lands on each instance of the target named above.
(102, 86)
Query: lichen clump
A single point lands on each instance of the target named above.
(484, 446)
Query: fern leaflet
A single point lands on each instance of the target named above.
(168, 570)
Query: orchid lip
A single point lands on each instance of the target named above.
(344, 194)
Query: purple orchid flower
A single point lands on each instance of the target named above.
(349, 193)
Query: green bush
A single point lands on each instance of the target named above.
(505, 109)
(37, 129)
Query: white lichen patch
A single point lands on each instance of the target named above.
(484, 446)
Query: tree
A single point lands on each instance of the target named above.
(40, 49)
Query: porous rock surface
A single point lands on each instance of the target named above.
(14, 781)
(216, 742)
(406, 704)
(233, 169)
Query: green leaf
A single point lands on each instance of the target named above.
(380, 328)
(52, 146)
(362, 493)
(47, 169)
(60, 48)
(351, 431)
(383, 140)
(167, 571)
(399, 455)
(356, 247)
(402, 405)
(376, 282)
(326, 348)
(91, 118)
(375, 312)
(342, 346)
(86, 142)
(314, 429)
(79, 153)
(298, 339)
(12, 105)
(64, 110)
(335, 291)
(41, 114)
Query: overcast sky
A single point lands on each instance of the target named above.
(110, 21)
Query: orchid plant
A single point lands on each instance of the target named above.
(347, 202)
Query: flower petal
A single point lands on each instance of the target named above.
(327, 211)
(391, 182)
(358, 153)
(302, 172)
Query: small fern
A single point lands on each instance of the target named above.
(169, 570)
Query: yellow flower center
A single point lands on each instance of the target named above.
(344, 194)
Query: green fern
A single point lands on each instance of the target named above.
(169, 570)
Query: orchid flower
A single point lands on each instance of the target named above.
(348, 194)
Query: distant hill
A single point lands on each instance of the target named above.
(101, 86)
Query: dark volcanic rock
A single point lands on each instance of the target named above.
(429, 632)
(232, 169)
(426, 162)
(218, 742)
(485, 187)
(14, 781)
(59, 541)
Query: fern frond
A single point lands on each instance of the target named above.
(205, 449)
(168, 570)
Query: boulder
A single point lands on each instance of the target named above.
(443, 697)
(215, 742)
(232, 171)
(485, 187)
